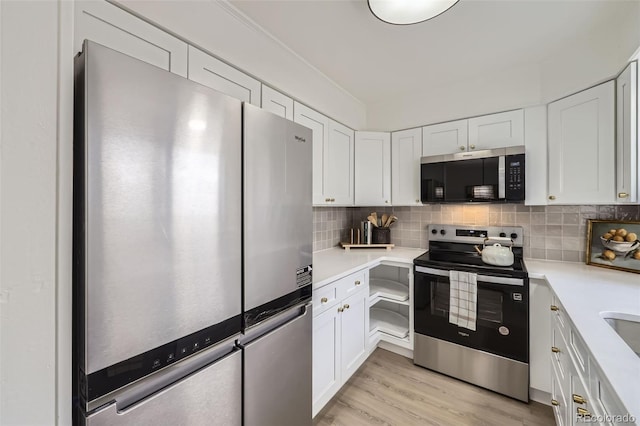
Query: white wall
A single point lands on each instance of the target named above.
(28, 147)
(597, 57)
(509, 89)
(220, 29)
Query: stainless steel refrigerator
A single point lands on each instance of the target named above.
(160, 251)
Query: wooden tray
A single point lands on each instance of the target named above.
(348, 246)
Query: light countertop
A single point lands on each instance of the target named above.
(586, 291)
(335, 263)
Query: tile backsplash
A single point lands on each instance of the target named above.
(550, 232)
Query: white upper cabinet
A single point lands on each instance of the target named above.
(406, 150)
(626, 134)
(444, 138)
(581, 147)
(214, 73)
(478, 133)
(333, 152)
(496, 130)
(338, 167)
(372, 168)
(277, 103)
(112, 27)
(319, 125)
(535, 142)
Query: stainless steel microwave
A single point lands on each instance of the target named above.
(495, 175)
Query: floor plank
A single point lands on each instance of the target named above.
(389, 389)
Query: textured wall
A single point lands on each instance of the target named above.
(551, 232)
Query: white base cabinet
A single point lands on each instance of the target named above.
(579, 392)
(340, 334)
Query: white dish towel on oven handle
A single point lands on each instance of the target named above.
(463, 299)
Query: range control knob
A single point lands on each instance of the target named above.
(502, 234)
(434, 231)
(514, 236)
(442, 232)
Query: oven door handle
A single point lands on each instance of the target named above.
(483, 278)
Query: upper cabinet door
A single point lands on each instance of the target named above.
(444, 138)
(277, 103)
(581, 148)
(319, 125)
(338, 166)
(214, 73)
(112, 27)
(406, 150)
(496, 130)
(535, 142)
(373, 169)
(626, 135)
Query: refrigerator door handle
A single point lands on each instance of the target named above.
(131, 398)
(273, 323)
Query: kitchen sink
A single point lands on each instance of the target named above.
(627, 326)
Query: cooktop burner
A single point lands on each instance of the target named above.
(452, 247)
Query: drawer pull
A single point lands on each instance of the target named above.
(340, 309)
(358, 282)
(346, 306)
(555, 350)
(552, 197)
(554, 308)
(578, 399)
(324, 300)
(554, 403)
(623, 195)
(582, 412)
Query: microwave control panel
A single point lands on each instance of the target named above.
(514, 187)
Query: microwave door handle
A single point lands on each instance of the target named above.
(501, 178)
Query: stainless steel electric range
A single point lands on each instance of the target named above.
(492, 349)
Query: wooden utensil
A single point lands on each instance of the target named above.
(373, 220)
(385, 217)
(392, 220)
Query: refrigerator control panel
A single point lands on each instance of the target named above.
(108, 379)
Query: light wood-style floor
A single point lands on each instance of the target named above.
(389, 389)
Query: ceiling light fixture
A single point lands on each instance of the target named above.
(406, 12)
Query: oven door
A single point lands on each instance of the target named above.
(502, 326)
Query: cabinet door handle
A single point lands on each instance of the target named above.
(386, 201)
(554, 308)
(417, 201)
(472, 146)
(552, 197)
(555, 350)
(358, 282)
(554, 403)
(333, 199)
(327, 199)
(462, 148)
(622, 195)
(582, 412)
(324, 300)
(578, 399)
(340, 309)
(346, 306)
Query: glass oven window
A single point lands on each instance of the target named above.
(489, 302)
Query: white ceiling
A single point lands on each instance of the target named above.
(375, 61)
